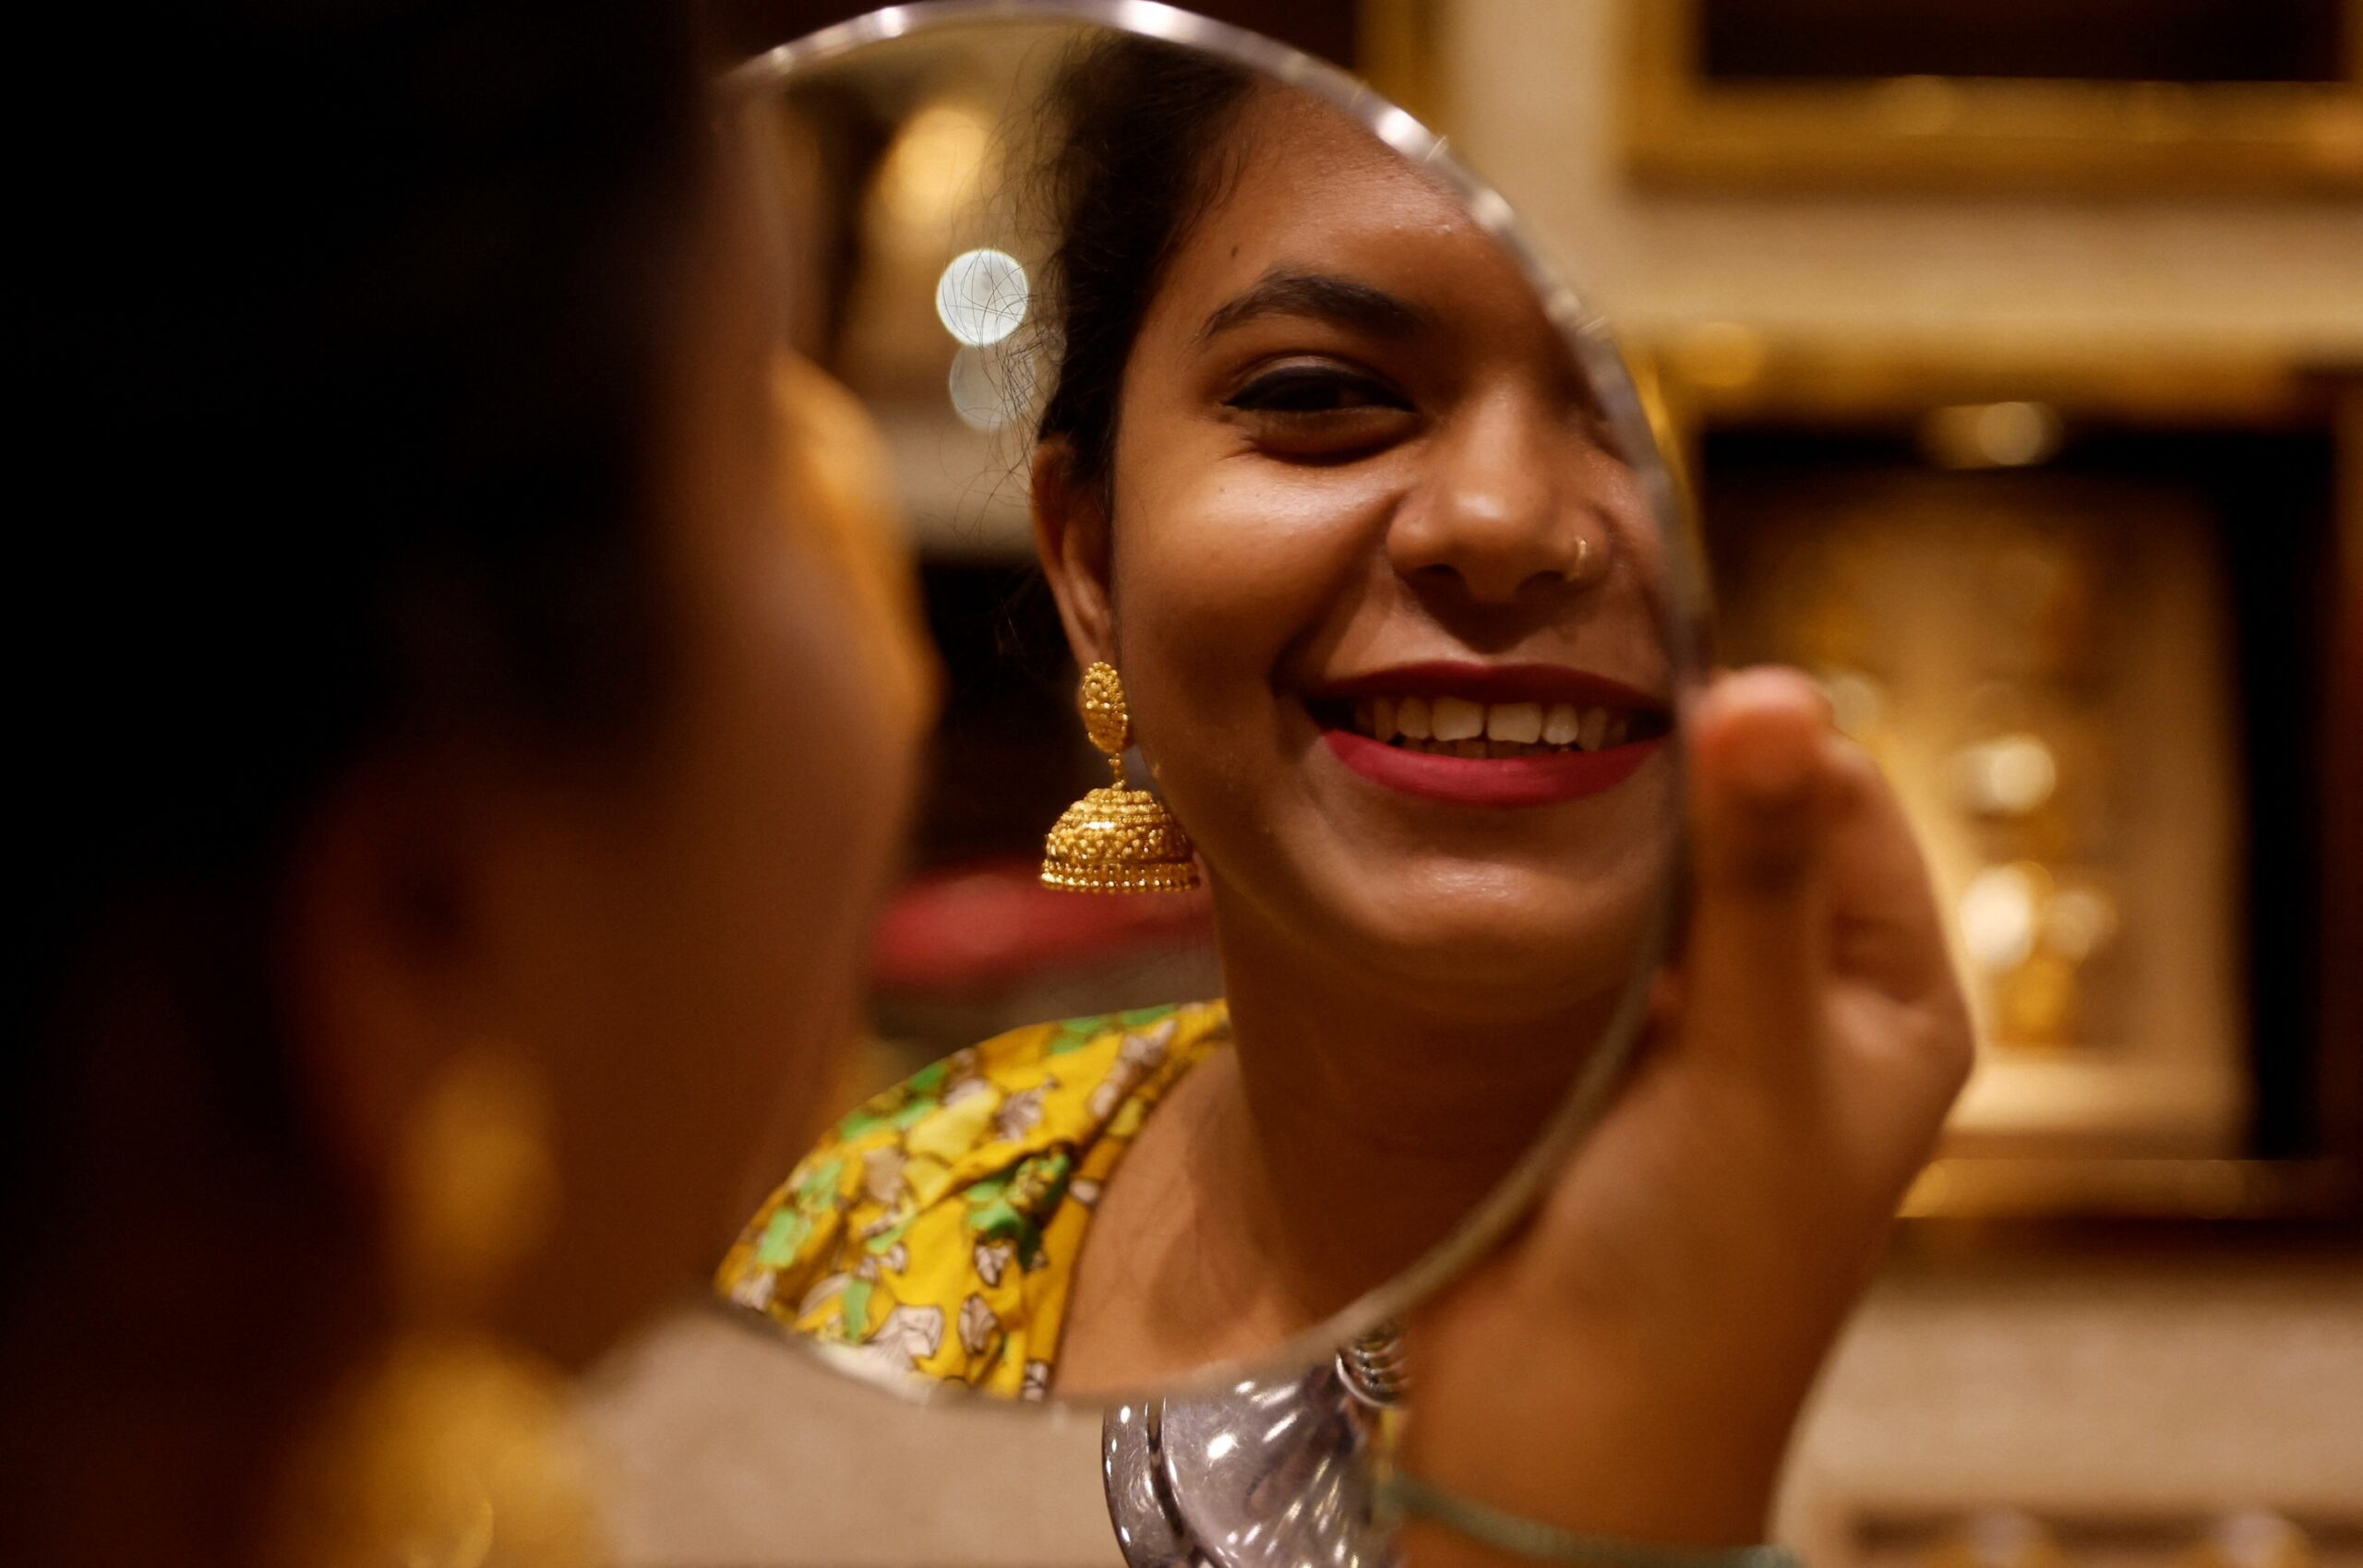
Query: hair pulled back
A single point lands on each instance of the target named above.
(1140, 126)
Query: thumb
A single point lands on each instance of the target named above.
(1757, 937)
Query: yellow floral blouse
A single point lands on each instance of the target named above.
(934, 1233)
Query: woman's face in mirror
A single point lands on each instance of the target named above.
(1362, 491)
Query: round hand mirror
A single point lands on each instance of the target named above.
(1375, 597)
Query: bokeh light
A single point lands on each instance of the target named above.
(981, 296)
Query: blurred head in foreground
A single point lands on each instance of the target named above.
(456, 782)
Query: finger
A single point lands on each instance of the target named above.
(1891, 967)
(1754, 957)
(1885, 928)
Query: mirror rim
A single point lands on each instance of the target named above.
(1597, 358)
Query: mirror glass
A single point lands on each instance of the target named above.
(1174, 351)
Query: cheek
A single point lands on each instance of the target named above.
(796, 825)
(1624, 503)
(1222, 567)
(778, 834)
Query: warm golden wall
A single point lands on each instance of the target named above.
(1531, 86)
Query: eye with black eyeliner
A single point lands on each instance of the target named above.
(1320, 411)
(1314, 389)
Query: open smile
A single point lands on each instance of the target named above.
(1489, 734)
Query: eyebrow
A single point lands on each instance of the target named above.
(1288, 291)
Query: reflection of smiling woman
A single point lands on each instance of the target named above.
(1320, 479)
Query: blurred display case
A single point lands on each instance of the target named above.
(2225, 97)
(2097, 620)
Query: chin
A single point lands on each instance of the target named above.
(1498, 959)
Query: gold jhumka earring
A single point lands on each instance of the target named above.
(1116, 839)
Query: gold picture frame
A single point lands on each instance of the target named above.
(1725, 376)
(1982, 135)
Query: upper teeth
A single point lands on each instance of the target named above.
(1450, 720)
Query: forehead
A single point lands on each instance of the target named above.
(1304, 189)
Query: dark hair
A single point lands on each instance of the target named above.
(347, 351)
(1133, 162)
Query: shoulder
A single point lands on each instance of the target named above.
(1075, 1049)
(1037, 1078)
(1023, 1104)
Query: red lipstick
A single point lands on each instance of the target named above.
(1536, 778)
(1544, 779)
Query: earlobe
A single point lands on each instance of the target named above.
(367, 912)
(1071, 540)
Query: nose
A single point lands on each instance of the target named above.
(1503, 510)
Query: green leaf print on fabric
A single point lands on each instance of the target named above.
(1013, 1207)
(897, 1109)
(986, 1190)
(783, 1238)
(853, 1309)
(816, 1194)
(992, 1217)
(885, 1241)
(1073, 1034)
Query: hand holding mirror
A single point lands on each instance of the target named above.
(1347, 506)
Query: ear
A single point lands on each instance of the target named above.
(379, 909)
(1071, 538)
